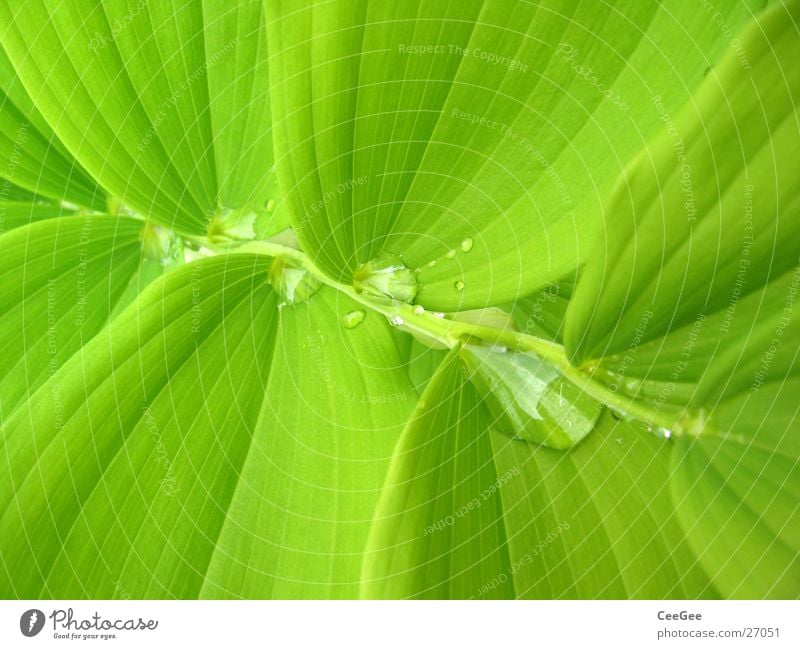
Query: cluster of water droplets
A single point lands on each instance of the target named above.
(465, 246)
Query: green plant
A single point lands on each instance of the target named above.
(415, 299)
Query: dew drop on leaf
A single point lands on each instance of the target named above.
(396, 321)
(294, 285)
(632, 386)
(386, 276)
(663, 433)
(459, 285)
(451, 254)
(528, 398)
(419, 310)
(354, 318)
(621, 415)
(466, 244)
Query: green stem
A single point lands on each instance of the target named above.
(452, 332)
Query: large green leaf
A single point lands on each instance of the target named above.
(60, 280)
(690, 300)
(14, 214)
(438, 531)
(470, 513)
(31, 155)
(130, 406)
(174, 95)
(707, 214)
(598, 521)
(334, 405)
(737, 493)
(415, 127)
(194, 450)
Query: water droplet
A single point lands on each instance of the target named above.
(438, 314)
(419, 310)
(466, 244)
(161, 245)
(354, 318)
(632, 386)
(396, 321)
(270, 205)
(663, 433)
(294, 285)
(386, 276)
(459, 285)
(451, 254)
(529, 398)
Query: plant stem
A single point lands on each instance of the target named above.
(452, 332)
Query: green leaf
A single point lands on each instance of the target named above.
(129, 467)
(438, 531)
(165, 137)
(707, 214)
(61, 279)
(471, 513)
(421, 361)
(196, 452)
(31, 155)
(736, 492)
(419, 128)
(335, 401)
(597, 521)
(14, 214)
(692, 295)
(543, 313)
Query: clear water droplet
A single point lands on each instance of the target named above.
(396, 321)
(270, 205)
(529, 398)
(419, 310)
(451, 254)
(354, 318)
(438, 314)
(663, 433)
(620, 415)
(459, 285)
(632, 386)
(294, 285)
(466, 244)
(386, 276)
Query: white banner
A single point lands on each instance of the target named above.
(516, 624)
